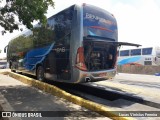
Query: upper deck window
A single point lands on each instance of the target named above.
(60, 24)
(98, 22)
(146, 51)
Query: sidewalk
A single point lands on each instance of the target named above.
(18, 96)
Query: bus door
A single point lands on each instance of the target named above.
(58, 61)
(62, 62)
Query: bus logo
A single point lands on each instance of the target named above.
(59, 50)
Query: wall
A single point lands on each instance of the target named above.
(150, 70)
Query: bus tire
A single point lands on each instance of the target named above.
(12, 70)
(40, 73)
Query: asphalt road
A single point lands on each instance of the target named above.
(145, 86)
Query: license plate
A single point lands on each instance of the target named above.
(102, 74)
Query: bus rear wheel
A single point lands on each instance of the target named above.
(12, 70)
(40, 73)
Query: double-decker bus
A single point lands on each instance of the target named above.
(78, 44)
(140, 56)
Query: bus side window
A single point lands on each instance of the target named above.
(67, 40)
(42, 36)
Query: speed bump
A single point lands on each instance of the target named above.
(103, 110)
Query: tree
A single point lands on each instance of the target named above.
(26, 10)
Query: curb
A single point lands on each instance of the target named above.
(103, 110)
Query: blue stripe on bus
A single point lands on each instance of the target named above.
(128, 60)
(35, 56)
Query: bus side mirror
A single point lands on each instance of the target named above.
(5, 49)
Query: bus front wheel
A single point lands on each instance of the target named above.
(40, 73)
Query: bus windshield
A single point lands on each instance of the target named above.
(97, 22)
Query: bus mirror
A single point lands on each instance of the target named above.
(5, 49)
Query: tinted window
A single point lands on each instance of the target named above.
(136, 52)
(124, 53)
(146, 51)
(98, 22)
(60, 24)
(42, 36)
(58, 29)
(20, 45)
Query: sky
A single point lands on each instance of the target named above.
(138, 20)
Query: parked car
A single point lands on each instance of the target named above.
(3, 64)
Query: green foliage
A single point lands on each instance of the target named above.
(19, 46)
(26, 10)
(21, 43)
(42, 36)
